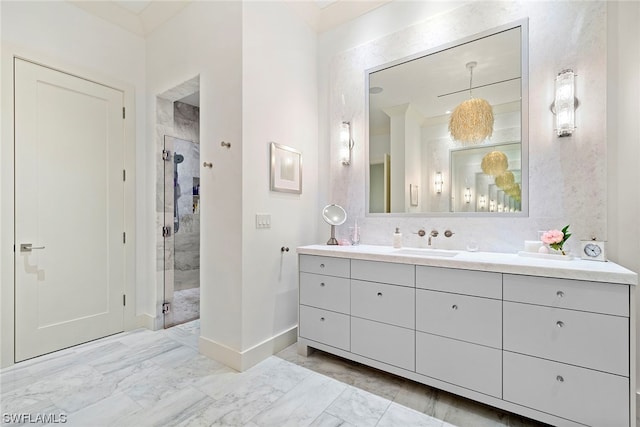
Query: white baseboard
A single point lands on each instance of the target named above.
(144, 321)
(243, 360)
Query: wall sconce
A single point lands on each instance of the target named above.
(565, 103)
(439, 182)
(467, 195)
(492, 205)
(482, 201)
(346, 143)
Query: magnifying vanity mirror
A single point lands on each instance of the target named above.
(334, 215)
(416, 166)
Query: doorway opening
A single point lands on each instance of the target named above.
(178, 130)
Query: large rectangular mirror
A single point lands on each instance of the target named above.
(423, 163)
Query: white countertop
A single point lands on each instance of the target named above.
(574, 268)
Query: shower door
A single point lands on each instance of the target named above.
(181, 231)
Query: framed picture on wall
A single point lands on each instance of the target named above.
(286, 169)
(413, 194)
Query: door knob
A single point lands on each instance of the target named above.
(28, 247)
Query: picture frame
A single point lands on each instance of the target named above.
(413, 194)
(286, 169)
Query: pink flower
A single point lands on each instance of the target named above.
(552, 236)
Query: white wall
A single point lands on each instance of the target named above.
(623, 134)
(62, 36)
(280, 105)
(206, 39)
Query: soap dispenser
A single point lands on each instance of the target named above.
(397, 238)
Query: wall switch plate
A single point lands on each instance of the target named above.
(263, 220)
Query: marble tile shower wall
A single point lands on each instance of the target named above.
(182, 258)
(567, 177)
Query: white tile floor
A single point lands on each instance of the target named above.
(145, 378)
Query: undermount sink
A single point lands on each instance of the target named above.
(426, 252)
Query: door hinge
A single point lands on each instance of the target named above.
(124, 299)
(124, 237)
(124, 175)
(166, 155)
(123, 113)
(166, 231)
(166, 307)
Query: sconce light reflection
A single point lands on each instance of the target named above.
(467, 195)
(482, 201)
(439, 182)
(346, 143)
(565, 103)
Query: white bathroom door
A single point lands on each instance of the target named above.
(69, 207)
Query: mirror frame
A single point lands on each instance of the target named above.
(524, 122)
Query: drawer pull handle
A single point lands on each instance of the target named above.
(322, 319)
(321, 265)
(454, 307)
(560, 324)
(560, 294)
(379, 294)
(560, 379)
(322, 284)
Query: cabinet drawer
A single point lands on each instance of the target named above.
(596, 341)
(384, 343)
(325, 265)
(467, 365)
(467, 282)
(324, 326)
(607, 298)
(328, 292)
(472, 319)
(384, 272)
(582, 395)
(384, 303)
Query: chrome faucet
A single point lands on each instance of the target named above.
(434, 233)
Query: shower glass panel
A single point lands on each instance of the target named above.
(182, 231)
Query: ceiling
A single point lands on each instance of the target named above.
(141, 17)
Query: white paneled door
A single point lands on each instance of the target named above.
(69, 210)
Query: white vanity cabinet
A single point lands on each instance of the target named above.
(383, 312)
(556, 345)
(566, 348)
(325, 300)
(460, 329)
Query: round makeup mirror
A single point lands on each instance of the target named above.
(334, 215)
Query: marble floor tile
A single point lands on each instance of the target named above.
(359, 407)
(157, 378)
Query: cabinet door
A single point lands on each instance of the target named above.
(383, 272)
(582, 395)
(384, 303)
(591, 340)
(326, 327)
(467, 365)
(328, 292)
(473, 319)
(384, 343)
(329, 266)
(467, 282)
(606, 298)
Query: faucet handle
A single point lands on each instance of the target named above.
(448, 233)
(421, 232)
(434, 233)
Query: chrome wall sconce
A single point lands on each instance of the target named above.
(467, 195)
(482, 201)
(439, 182)
(565, 103)
(346, 143)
